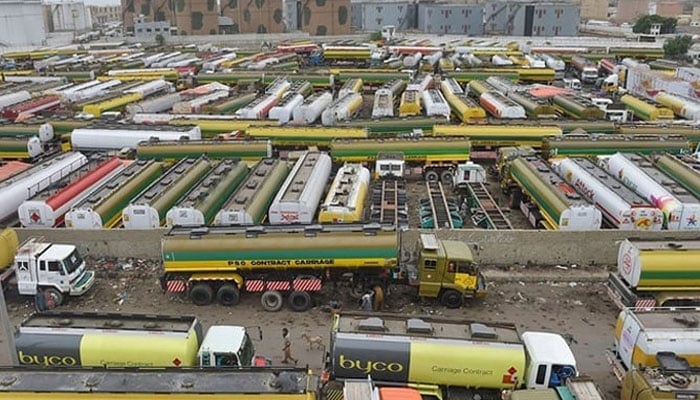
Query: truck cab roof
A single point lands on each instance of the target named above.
(548, 348)
(58, 251)
(450, 249)
(223, 339)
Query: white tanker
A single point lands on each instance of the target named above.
(680, 208)
(620, 205)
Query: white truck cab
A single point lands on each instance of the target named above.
(550, 360)
(468, 172)
(572, 83)
(56, 269)
(229, 346)
(389, 164)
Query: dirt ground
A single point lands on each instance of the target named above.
(568, 305)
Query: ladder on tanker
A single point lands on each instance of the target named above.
(437, 211)
(389, 203)
(485, 212)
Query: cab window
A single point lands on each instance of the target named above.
(55, 266)
(430, 264)
(226, 360)
(464, 267)
(541, 373)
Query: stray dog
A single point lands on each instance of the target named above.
(313, 340)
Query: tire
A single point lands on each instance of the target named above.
(271, 300)
(54, 297)
(228, 295)
(432, 176)
(446, 177)
(202, 294)
(451, 299)
(299, 301)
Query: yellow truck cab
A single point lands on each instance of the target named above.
(446, 270)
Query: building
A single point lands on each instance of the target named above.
(323, 17)
(71, 16)
(371, 16)
(451, 19)
(191, 17)
(145, 29)
(254, 16)
(668, 8)
(105, 14)
(594, 10)
(527, 19)
(630, 10)
(21, 23)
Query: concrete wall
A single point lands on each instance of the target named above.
(494, 247)
(630, 10)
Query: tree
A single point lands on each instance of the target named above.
(677, 47)
(643, 24)
(160, 39)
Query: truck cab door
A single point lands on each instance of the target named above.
(26, 277)
(430, 277)
(51, 273)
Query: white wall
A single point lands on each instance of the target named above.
(21, 23)
(71, 16)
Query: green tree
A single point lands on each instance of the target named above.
(643, 24)
(160, 39)
(677, 47)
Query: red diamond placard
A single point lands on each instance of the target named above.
(512, 370)
(177, 362)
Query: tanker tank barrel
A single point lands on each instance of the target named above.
(309, 230)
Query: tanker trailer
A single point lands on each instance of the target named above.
(224, 262)
(656, 272)
(463, 359)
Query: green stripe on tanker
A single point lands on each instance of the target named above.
(112, 207)
(428, 148)
(249, 150)
(232, 252)
(218, 196)
(543, 195)
(593, 145)
(680, 171)
(394, 126)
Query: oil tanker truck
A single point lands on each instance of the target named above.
(75, 339)
(222, 263)
(446, 358)
(656, 273)
(656, 353)
(159, 384)
(57, 270)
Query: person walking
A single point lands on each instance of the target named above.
(287, 347)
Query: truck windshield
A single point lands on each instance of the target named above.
(246, 352)
(72, 262)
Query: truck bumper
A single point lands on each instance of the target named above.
(619, 293)
(82, 285)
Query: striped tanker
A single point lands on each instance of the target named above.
(426, 149)
(149, 208)
(548, 200)
(48, 209)
(249, 203)
(500, 135)
(346, 196)
(246, 150)
(684, 172)
(103, 208)
(202, 203)
(603, 144)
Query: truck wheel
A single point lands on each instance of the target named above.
(228, 295)
(451, 299)
(299, 301)
(201, 294)
(432, 176)
(271, 300)
(53, 296)
(446, 177)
